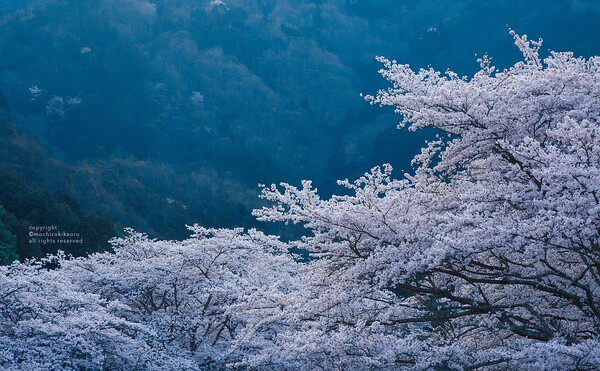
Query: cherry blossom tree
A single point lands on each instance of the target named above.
(150, 305)
(488, 255)
(47, 323)
(197, 294)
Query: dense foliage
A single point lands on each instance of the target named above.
(23, 208)
(27, 200)
(487, 257)
(8, 241)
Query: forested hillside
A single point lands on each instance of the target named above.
(167, 112)
(31, 197)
